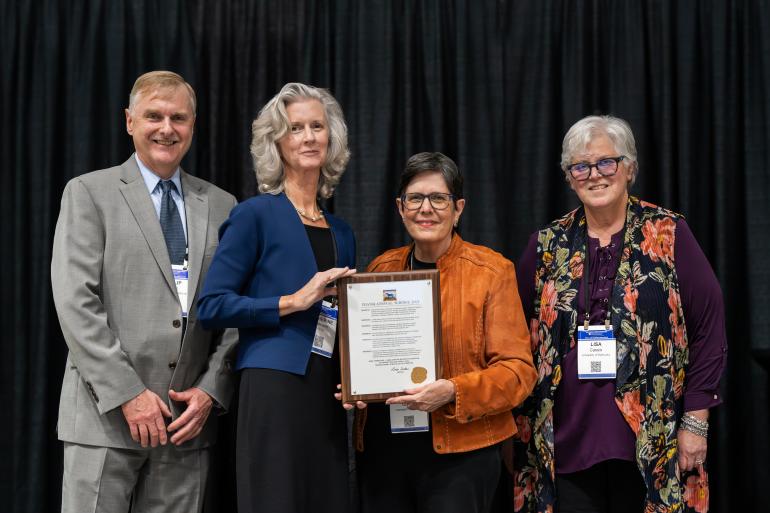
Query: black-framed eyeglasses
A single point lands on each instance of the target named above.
(607, 166)
(438, 200)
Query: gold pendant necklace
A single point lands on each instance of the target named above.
(313, 219)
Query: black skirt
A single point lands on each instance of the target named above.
(292, 441)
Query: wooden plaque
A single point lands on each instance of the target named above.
(389, 333)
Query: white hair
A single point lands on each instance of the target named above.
(584, 131)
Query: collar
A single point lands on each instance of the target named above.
(151, 179)
(445, 260)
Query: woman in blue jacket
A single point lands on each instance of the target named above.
(279, 255)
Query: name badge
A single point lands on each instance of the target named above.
(323, 341)
(181, 279)
(404, 420)
(596, 353)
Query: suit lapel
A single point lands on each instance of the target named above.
(196, 205)
(138, 199)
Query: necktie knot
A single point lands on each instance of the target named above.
(167, 186)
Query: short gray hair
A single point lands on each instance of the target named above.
(584, 131)
(161, 79)
(272, 124)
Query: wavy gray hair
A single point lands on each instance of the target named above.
(584, 131)
(272, 124)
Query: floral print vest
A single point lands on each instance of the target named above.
(652, 357)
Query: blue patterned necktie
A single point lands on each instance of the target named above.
(171, 224)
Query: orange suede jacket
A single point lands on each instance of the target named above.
(486, 348)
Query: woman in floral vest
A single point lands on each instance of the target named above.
(627, 327)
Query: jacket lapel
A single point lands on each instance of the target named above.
(295, 234)
(196, 205)
(138, 199)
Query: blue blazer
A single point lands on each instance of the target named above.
(264, 253)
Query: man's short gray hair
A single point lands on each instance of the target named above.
(155, 80)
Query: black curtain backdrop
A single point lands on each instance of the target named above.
(493, 84)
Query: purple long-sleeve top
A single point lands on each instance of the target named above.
(588, 426)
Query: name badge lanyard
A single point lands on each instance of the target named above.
(597, 347)
(181, 272)
(402, 419)
(587, 283)
(325, 336)
(411, 263)
(587, 294)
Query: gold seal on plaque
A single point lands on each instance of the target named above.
(419, 374)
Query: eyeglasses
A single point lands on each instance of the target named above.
(438, 200)
(606, 167)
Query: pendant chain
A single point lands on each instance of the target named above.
(311, 218)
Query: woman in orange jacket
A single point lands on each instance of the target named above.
(454, 465)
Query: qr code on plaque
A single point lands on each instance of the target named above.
(408, 420)
(596, 366)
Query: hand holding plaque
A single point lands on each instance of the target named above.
(428, 397)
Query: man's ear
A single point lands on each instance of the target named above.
(129, 122)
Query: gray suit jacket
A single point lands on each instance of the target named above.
(118, 306)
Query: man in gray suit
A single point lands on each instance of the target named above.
(132, 247)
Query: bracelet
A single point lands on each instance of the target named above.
(692, 419)
(694, 430)
(695, 425)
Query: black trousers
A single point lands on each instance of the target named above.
(401, 473)
(612, 486)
